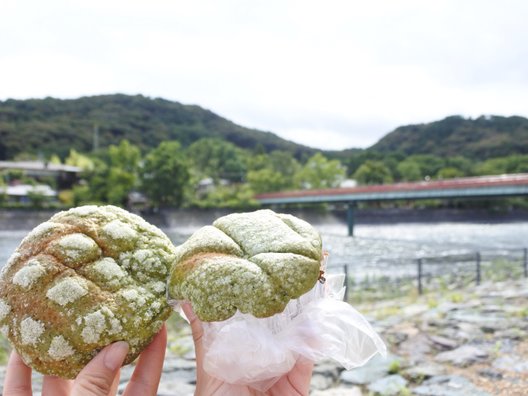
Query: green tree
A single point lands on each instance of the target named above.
(119, 183)
(55, 159)
(429, 164)
(108, 177)
(319, 172)
(274, 172)
(501, 165)
(122, 173)
(266, 180)
(219, 159)
(125, 156)
(165, 175)
(82, 194)
(93, 187)
(233, 196)
(356, 159)
(373, 172)
(409, 170)
(449, 172)
(464, 165)
(14, 175)
(80, 160)
(37, 199)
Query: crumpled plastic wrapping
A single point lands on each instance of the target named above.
(256, 352)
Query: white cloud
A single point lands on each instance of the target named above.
(348, 70)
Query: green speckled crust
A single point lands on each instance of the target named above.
(254, 262)
(80, 281)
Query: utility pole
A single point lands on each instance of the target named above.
(95, 138)
(350, 218)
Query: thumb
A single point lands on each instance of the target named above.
(196, 328)
(97, 377)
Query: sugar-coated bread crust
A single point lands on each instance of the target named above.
(88, 277)
(252, 262)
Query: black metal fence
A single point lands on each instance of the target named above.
(430, 273)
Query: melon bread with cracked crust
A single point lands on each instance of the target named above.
(85, 278)
(252, 262)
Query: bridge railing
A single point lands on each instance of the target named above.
(439, 273)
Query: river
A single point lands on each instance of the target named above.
(375, 248)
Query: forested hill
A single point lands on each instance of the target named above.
(53, 126)
(481, 138)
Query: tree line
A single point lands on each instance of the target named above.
(212, 172)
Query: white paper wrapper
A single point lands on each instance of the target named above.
(244, 350)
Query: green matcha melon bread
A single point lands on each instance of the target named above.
(252, 262)
(86, 278)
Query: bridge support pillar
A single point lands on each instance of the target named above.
(350, 217)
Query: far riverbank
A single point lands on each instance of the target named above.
(26, 219)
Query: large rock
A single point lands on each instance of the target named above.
(320, 382)
(354, 391)
(424, 371)
(413, 310)
(448, 385)
(416, 348)
(388, 386)
(327, 369)
(486, 323)
(490, 373)
(511, 363)
(324, 376)
(509, 293)
(174, 388)
(443, 343)
(462, 356)
(461, 331)
(177, 379)
(376, 368)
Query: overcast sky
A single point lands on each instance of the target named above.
(328, 74)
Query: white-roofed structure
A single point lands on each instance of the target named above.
(65, 175)
(39, 168)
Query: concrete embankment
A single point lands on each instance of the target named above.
(26, 219)
(193, 217)
(23, 219)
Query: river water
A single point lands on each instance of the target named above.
(380, 249)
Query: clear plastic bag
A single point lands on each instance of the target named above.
(256, 352)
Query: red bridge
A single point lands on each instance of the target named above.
(466, 187)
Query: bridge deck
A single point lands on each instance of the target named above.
(466, 187)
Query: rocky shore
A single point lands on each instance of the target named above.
(470, 342)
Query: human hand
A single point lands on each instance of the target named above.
(294, 383)
(100, 377)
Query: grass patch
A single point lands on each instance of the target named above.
(456, 297)
(386, 312)
(395, 367)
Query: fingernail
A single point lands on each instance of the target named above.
(115, 355)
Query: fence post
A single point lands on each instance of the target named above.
(478, 268)
(420, 288)
(345, 267)
(350, 217)
(525, 262)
